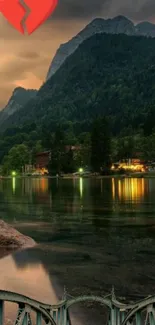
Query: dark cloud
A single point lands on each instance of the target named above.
(145, 10)
(79, 9)
(85, 9)
(25, 59)
(29, 55)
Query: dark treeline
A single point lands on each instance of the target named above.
(62, 160)
(97, 149)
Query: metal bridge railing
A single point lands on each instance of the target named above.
(139, 313)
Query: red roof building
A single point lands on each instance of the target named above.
(42, 159)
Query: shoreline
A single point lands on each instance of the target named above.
(116, 176)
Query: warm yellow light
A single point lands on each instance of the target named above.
(81, 186)
(13, 173)
(80, 170)
(113, 188)
(135, 167)
(13, 184)
(131, 188)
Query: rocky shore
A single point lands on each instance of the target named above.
(11, 238)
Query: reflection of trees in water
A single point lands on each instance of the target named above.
(24, 199)
(59, 202)
(71, 200)
(102, 203)
(72, 207)
(121, 202)
(31, 257)
(64, 196)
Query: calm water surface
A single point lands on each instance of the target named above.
(92, 234)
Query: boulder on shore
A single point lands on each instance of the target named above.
(12, 238)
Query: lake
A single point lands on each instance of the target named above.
(92, 234)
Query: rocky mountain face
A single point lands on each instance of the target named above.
(117, 25)
(146, 29)
(112, 75)
(19, 98)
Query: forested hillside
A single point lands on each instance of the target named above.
(112, 75)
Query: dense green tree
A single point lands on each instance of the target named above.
(57, 151)
(149, 123)
(68, 165)
(86, 150)
(36, 149)
(78, 160)
(149, 147)
(100, 145)
(126, 148)
(16, 159)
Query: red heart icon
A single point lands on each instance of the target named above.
(40, 11)
(15, 12)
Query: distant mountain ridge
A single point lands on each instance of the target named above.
(111, 75)
(116, 25)
(18, 99)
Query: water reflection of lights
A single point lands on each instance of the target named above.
(74, 182)
(113, 188)
(13, 184)
(40, 185)
(129, 188)
(132, 188)
(119, 189)
(81, 186)
(101, 185)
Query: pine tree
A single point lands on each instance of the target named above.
(100, 145)
(57, 152)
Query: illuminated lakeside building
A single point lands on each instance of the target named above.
(135, 165)
(42, 161)
(43, 158)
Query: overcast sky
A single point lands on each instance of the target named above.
(25, 59)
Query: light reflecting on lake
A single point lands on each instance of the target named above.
(129, 189)
(93, 233)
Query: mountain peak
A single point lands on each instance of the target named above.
(121, 18)
(116, 25)
(146, 24)
(21, 89)
(20, 96)
(96, 21)
(17, 89)
(99, 21)
(145, 28)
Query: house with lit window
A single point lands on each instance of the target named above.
(134, 165)
(42, 161)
